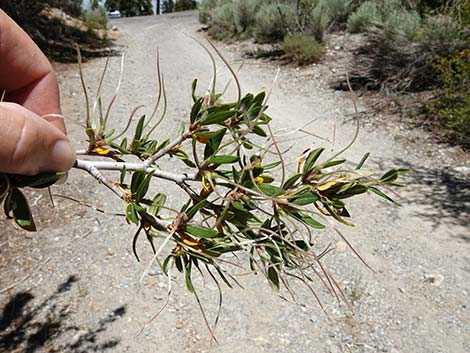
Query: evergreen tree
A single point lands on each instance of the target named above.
(130, 7)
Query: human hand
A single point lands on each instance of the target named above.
(32, 131)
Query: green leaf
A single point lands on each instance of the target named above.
(21, 211)
(259, 99)
(122, 177)
(259, 131)
(306, 199)
(214, 142)
(271, 165)
(195, 110)
(383, 195)
(131, 214)
(201, 232)
(246, 102)
(187, 276)
(143, 188)
(273, 276)
(180, 154)
(165, 264)
(306, 219)
(195, 209)
(179, 263)
(267, 189)
(363, 160)
(139, 128)
(331, 163)
(123, 144)
(157, 204)
(218, 118)
(311, 159)
(291, 181)
(193, 90)
(223, 159)
(101, 117)
(137, 179)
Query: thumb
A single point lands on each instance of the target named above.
(30, 145)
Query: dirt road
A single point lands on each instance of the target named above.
(75, 283)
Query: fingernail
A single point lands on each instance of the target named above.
(61, 157)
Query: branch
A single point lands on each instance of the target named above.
(119, 166)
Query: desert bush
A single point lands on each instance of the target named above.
(205, 10)
(452, 107)
(222, 22)
(366, 16)
(402, 21)
(96, 18)
(318, 23)
(338, 11)
(245, 12)
(273, 22)
(302, 49)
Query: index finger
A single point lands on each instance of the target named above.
(26, 75)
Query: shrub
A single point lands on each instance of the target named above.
(453, 107)
(338, 11)
(222, 22)
(302, 48)
(245, 13)
(96, 18)
(183, 5)
(366, 16)
(272, 23)
(405, 22)
(319, 21)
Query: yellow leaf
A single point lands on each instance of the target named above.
(332, 184)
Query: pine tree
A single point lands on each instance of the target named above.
(130, 7)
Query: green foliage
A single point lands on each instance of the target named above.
(303, 49)
(245, 14)
(205, 10)
(404, 22)
(337, 11)
(391, 15)
(96, 18)
(236, 200)
(222, 23)
(183, 5)
(453, 106)
(130, 7)
(366, 16)
(272, 23)
(318, 23)
(168, 6)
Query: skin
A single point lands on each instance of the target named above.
(32, 132)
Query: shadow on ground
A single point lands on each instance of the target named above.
(445, 195)
(45, 326)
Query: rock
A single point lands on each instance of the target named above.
(463, 170)
(434, 279)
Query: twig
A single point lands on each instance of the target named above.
(153, 158)
(4, 290)
(118, 166)
(95, 173)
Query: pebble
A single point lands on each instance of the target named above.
(462, 169)
(434, 279)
